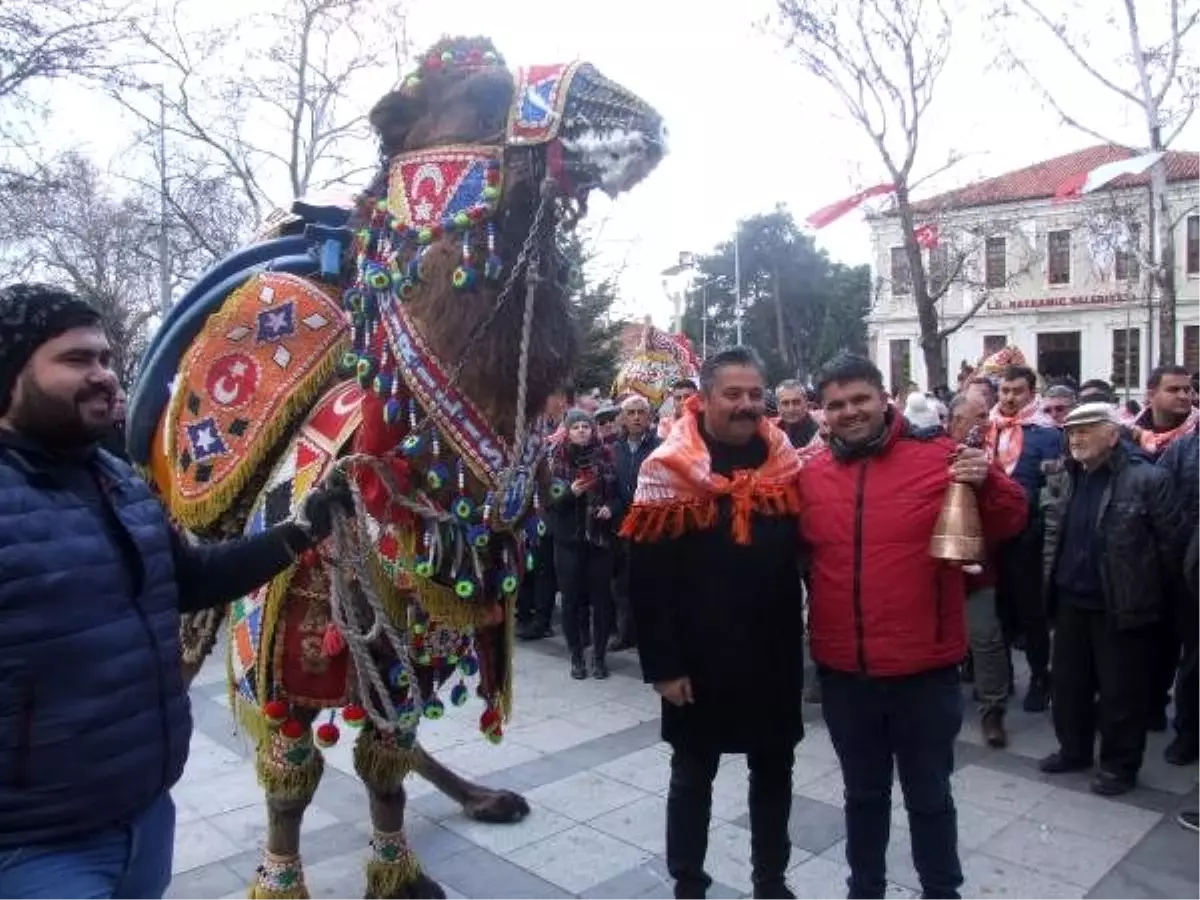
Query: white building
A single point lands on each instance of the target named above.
(1062, 280)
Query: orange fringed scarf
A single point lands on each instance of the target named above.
(677, 489)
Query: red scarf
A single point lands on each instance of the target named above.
(1155, 442)
(1006, 437)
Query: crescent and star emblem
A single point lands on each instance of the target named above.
(232, 380)
(347, 402)
(423, 209)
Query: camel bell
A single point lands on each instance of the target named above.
(958, 535)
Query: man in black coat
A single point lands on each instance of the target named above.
(715, 585)
(636, 442)
(1122, 535)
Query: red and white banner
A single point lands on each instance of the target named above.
(834, 211)
(1086, 182)
(926, 235)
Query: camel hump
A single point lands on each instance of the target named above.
(310, 244)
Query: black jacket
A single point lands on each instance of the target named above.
(627, 464)
(1143, 532)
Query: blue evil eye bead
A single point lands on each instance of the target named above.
(391, 412)
(492, 268)
(425, 236)
(423, 568)
(509, 584)
(530, 561)
(459, 694)
(464, 509)
(424, 658)
(413, 443)
(349, 361)
(463, 278)
(398, 676)
(407, 717)
(468, 666)
(377, 277)
(407, 290)
(434, 708)
(383, 383)
(352, 300)
(478, 536)
(438, 476)
(558, 488)
(540, 528)
(465, 588)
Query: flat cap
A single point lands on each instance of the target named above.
(1091, 414)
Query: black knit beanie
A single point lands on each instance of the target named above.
(30, 315)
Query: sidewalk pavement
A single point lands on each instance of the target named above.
(587, 756)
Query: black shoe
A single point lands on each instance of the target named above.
(533, 632)
(1158, 721)
(1181, 751)
(1037, 698)
(599, 668)
(578, 667)
(1056, 764)
(617, 644)
(773, 890)
(690, 890)
(1189, 820)
(1107, 784)
(992, 725)
(967, 671)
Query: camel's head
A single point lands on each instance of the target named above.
(476, 156)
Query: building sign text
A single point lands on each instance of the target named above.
(1052, 302)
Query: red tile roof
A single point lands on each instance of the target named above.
(1040, 180)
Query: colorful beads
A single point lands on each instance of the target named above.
(275, 712)
(478, 537)
(434, 708)
(354, 715)
(413, 444)
(464, 509)
(465, 588)
(327, 735)
(459, 694)
(509, 584)
(398, 677)
(423, 568)
(392, 411)
(438, 476)
(468, 665)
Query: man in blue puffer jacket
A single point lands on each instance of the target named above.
(94, 716)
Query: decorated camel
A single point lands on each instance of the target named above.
(405, 344)
(657, 361)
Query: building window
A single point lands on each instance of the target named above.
(1127, 267)
(1191, 348)
(900, 363)
(994, 343)
(1193, 245)
(901, 273)
(939, 270)
(1058, 254)
(995, 262)
(1126, 356)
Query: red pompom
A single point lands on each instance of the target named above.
(275, 712)
(353, 715)
(310, 558)
(332, 643)
(292, 729)
(327, 735)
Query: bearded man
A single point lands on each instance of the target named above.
(887, 618)
(715, 588)
(92, 580)
(1026, 443)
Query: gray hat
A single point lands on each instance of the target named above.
(575, 415)
(607, 413)
(1091, 414)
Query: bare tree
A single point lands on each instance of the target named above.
(280, 120)
(1155, 76)
(882, 59)
(101, 243)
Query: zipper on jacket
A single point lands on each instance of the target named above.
(859, 499)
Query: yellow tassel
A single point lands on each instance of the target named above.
(388, 879)
(258, 892)
(381, 765)
(249, 716)
(272, 608)
(285, 781)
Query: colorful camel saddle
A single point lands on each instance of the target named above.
(276, 632)
(256, 367)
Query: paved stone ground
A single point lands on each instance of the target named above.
(588, 758)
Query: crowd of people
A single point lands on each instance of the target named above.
(748, 519)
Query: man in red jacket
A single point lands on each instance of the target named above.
(887, 620)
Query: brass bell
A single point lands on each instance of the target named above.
(958, 535)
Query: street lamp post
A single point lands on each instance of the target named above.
(737, 280)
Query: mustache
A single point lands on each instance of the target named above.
(745, 415)
(98, 391)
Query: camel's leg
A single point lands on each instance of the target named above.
(289, 771)
(478, 802)
(382, 762)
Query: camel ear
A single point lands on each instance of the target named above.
(393, 116)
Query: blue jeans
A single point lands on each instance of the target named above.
(131, 860)
(914, 721)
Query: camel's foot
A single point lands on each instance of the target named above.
(394, 871)
(418, 887)
(279, 877)
(497, 807)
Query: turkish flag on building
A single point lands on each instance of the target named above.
(1086, 182)
(835, 211)
(926, 235)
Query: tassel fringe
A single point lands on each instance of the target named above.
(285, 780)
(381, 764)
(646, 522)
(388, 879)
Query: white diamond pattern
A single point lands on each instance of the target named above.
(236, 334)
(266, 295)
(282, 357)
(316, 321)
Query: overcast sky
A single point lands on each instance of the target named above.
(748, 128)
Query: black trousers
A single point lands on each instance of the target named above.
(1187, 685)
(1103, 680)
(535, 600)
(689, 813)
(1020, 598)
(585, 579)
(624, 613)
(910, 722)
(1167, 660)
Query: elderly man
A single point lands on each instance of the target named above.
(794, 416)
(637, 441)
(1123, 529)
(716, 591)
(887, 618)
(1057, 401)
